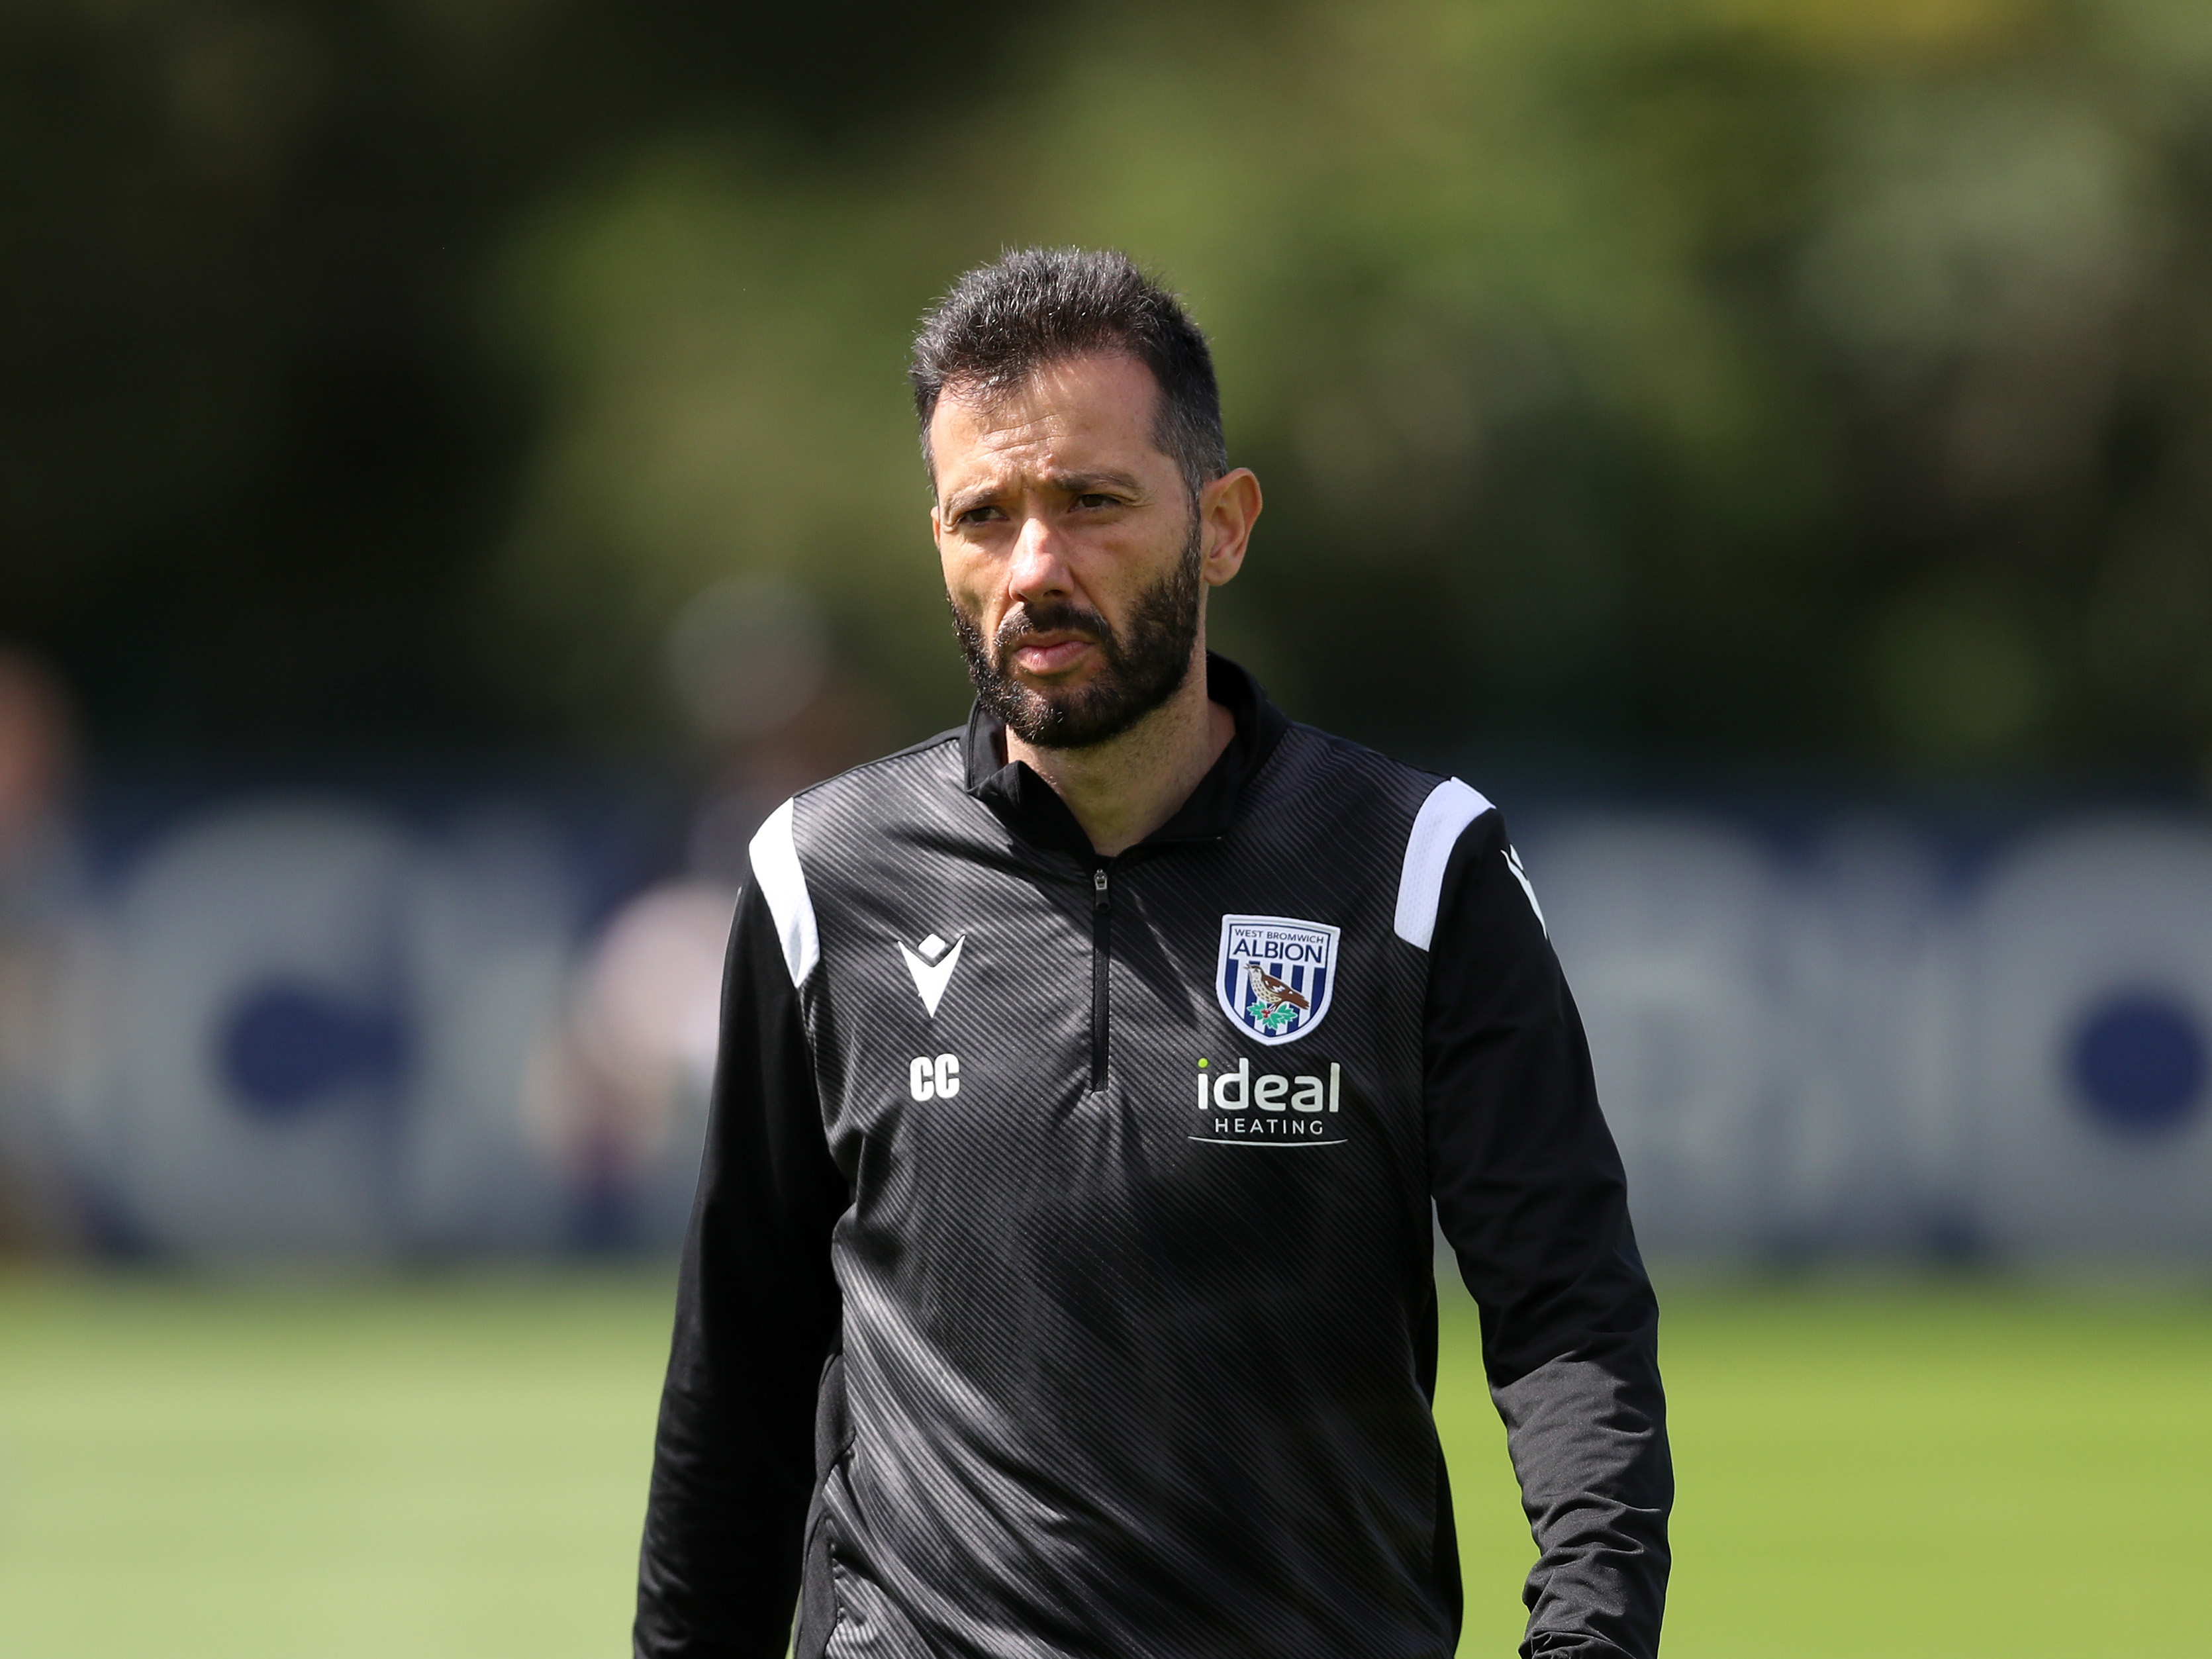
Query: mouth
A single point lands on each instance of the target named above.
(1049, 652)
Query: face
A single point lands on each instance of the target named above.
(1074, 561)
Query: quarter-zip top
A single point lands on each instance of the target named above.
(1115, 1364)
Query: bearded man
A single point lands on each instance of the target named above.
(1060, 1280)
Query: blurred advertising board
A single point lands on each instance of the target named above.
(324, 1026)
(1868, 1037)
(336, 1026)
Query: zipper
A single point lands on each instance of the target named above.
(1102, 951)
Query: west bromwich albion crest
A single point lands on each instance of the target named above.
(1276, 975)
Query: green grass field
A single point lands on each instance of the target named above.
(455, 1466)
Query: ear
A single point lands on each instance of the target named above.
(1227, 510)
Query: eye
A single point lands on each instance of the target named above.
(1094, 499)
(975, 515)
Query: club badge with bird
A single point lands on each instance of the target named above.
(1275, 1002)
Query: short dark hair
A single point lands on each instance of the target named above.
(1030, 307)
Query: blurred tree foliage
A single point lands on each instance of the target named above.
(256, 448)
(1764, 378)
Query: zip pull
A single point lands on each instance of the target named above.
(1098, 886)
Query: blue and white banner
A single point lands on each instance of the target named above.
(1869, 1043)
(307, 1028)
(318, 1027)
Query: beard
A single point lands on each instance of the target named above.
(1144, 666)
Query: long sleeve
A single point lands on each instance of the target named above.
(757, 1315)
(1530, 1196)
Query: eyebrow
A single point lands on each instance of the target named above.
(1068, 484)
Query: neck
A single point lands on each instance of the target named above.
(1123, 789)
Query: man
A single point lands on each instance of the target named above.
(1087, 1076)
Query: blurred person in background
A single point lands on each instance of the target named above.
(1041, 1296)
(37, 887)
(625, 1072)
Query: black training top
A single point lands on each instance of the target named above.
(1059, 1282)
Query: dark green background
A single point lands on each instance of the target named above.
(1742, 382)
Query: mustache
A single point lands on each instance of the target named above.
(1050, 616)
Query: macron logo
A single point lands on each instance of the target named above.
(931, 963)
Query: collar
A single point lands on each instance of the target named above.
(1032, 808)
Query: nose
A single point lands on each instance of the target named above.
(1037, 570)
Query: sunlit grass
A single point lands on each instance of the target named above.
(456, 1467)
(392, 1471)
(1893, 1470)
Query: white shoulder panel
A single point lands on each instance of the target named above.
(783, 885)
(1450, 807)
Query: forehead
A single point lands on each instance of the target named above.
(1096, 409)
